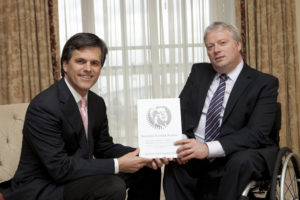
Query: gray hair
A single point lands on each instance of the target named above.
(217, 26)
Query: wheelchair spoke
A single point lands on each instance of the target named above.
(290, 183)
(290, 186)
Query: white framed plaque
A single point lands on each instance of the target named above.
(159, 126)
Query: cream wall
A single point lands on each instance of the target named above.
(298, 27)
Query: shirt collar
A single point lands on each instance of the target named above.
(233, 75)
(75, 94)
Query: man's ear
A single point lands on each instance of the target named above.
(239, 44)
(65, 66)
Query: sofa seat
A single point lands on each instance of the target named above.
(11, 125)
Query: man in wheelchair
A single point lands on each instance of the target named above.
(228, 110)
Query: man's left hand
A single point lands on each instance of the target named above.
(191, 148)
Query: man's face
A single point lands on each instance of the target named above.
(162, 113)
(83, 69)
(223, 51)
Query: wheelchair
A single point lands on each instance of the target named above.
(285, 181)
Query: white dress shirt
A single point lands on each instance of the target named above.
(214, 147)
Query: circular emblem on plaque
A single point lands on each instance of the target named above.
(159, 117)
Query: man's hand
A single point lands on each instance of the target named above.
(159, 162)
(191, 148)
(130, 162)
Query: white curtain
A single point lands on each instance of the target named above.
(152, 46)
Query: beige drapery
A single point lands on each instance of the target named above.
(269, 32)
(29, 48)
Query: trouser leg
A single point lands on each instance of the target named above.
(240, 168)
(207, 188)
(100, 187)
(144, 184)
(178, 184)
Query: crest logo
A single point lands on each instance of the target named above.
(159, 117)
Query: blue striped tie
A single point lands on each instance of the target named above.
(213, 116)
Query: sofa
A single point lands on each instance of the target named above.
(11, 125)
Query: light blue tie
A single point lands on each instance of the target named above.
(213, 116)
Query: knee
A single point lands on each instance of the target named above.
(115, 189)
(118, 186)
(176, 173)
(240, 162)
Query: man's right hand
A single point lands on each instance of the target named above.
(131, 162)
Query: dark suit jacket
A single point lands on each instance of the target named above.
(249, 114)
(55, 149)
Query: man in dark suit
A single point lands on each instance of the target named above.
(66, 156)
(228, 110)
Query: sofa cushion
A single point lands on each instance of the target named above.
(11, 125)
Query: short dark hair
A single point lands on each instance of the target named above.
(79, 41)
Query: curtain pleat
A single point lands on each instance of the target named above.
(29, 49)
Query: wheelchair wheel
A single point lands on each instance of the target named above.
(285, 180)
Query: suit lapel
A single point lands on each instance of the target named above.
(202, 87)
(239, 87)
(70, 108)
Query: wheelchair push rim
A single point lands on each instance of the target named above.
(285, 182)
